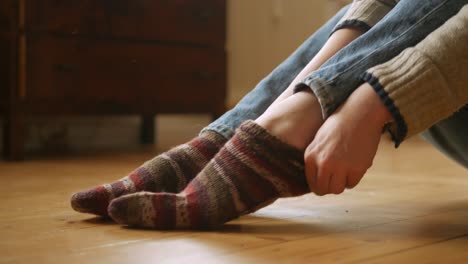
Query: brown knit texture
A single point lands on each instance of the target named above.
(251, 171)
(170, 171)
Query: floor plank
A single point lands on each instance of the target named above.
(412, 207)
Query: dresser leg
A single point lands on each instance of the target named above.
(147, 129)
(13, 138)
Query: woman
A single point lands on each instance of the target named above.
(375, 64)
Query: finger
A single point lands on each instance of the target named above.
(311, 175)
(337, 183)
(323, 181)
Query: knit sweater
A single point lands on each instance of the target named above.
(426, 83)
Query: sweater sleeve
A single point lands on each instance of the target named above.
(365, 14)
(426, 83)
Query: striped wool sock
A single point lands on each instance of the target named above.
(168, 172)
(251, 171)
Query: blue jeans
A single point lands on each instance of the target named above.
(406, 25)
(450, 136)
(263, 95)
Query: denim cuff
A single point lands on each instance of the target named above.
(320, 89)
(352, 23)
(224, 131)
(364, 14)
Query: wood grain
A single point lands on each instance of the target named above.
(412, 207)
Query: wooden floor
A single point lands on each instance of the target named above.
(412, 207)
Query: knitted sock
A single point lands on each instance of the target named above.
(251, 171)
(169, 172)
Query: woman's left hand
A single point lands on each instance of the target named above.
(345, 146)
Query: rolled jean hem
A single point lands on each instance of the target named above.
(352, 23)
(224, 131)
(320, 89)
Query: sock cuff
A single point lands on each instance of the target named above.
(266, 139)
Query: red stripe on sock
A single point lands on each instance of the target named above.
(101, 201)
(206, 147)
(193, 202)
(165, 206)
(137, 181)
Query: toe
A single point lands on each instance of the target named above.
(91, 201)
(117, 210)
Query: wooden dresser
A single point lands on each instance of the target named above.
(88, 57)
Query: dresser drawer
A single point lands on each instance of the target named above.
(193, 21)
(7, 14)
(75, 70)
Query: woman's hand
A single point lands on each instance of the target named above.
(344, 147)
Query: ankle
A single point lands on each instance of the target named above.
(294, 120)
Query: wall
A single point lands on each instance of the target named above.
(262, 33)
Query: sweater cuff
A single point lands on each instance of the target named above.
(397, 129)
(364, 14)
(414, 91)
